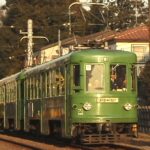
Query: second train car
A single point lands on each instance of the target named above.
(89, 95)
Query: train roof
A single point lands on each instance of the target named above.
(9, 78)
(86, 55)
(111, 55)
(48, 64)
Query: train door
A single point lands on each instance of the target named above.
(67, 125)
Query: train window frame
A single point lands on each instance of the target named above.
(76, 78)
(33, 82)
(36, 86)
(31, 88)
(62, 80)
(57, 81)
(134, 78)
(97, 80)
(118, 81)
(43, 82)
(47, 84)
(7, 93)
(53, 87)
(50, 83)
(76, 75)
(25, 89)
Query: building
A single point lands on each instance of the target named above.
(135, 39)
(55, 50)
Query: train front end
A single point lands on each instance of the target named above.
(103, 103)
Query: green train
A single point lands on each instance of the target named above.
(89, 95)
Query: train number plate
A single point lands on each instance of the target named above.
(107, 100)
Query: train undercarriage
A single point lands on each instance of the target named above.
(102, 133)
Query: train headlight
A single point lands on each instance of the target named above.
(127, 106)
(87, 106)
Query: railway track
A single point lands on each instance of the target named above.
(26, 141)
(116, 146)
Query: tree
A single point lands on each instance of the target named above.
(48, 16)
(115, 15)
(51, 15)
(127, 14)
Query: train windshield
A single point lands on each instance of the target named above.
(118, 81)
(94, 77)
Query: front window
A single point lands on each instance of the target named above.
(94, 77)
(118, 81)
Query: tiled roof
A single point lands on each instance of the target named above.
(98, 37)
(136, 34)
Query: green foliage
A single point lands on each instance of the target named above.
(124, 14)
(116, 16)
(49, 16)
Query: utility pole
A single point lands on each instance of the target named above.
(30, 42)
(59, 43)
(29, 36)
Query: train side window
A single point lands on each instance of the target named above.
(76, 75)
(53, 85)
(25, 89)
(13, 92)
(43, 75)
(10, 95)
(35, 87)
(47, 84)
(39, 86)
(7, 93)
(31, 88)
(0, 95)
(61, 81)
(57, 81)
(50, 83)
(118, 79)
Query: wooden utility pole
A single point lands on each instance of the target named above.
(29, 36)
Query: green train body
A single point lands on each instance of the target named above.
(85, 94)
